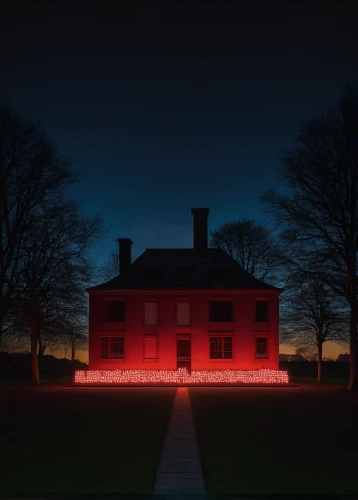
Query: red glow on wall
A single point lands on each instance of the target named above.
(180, 377)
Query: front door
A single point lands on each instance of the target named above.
(184, 354)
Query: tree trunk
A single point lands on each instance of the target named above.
(1, 327)
(41, 346)
(41, 350)
(353, 380)
(73, 354)
(3, 310)
(34, 356)
(319, 364)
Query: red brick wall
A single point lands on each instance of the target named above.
(243, 329)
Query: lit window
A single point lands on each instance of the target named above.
(183, 313)
(220, 347)
(150, 313)
(220, 311)
(115, 310)
(112, 347)
(150, 347)
(261, 311)
(261, 347)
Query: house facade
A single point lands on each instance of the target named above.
(183, 308)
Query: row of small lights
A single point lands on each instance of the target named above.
(180, 376)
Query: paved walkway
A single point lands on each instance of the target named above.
(179, 472)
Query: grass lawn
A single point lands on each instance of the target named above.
(65, 380)
(81, 440)
(300, 440)
(311, 379)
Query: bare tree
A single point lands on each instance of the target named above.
(306, 353)
(75, 338)
(318, 213)
(110, 268)
(312, 316)
(56, 270)
(30, 172)
(65, 349)
(251, 245)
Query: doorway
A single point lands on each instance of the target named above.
(184, 354)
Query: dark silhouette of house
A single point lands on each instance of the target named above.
(195, 308)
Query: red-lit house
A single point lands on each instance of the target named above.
(172, 308)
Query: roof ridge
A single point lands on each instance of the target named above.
(176, 249)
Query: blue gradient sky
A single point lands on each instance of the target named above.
(165, 107)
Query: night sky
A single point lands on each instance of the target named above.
(164, 107)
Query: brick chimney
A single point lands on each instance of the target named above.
(125, 255)
(200, 216)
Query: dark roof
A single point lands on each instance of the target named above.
(167, 268)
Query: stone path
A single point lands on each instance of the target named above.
(179, 472)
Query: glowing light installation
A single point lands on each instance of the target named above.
(180, 376)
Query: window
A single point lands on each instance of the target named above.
(220, 311)
(218, 276)
(151, 276)
(183, 313)
(220, 347)
(115, 310)
(261, 347)
(261, 311)
(112, 347)
(150, 347)
(183, 274)
(150, 313)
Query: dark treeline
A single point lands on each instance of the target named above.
(18, 366)
(313, 357)
(333, 371)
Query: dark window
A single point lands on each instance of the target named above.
(220, 311)
(115, 311)
(261, 311)
(112, 347)
(261, 347)
(183, 274)
(183, 348)
(220, 347)
(218, 275)
(151, 276)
